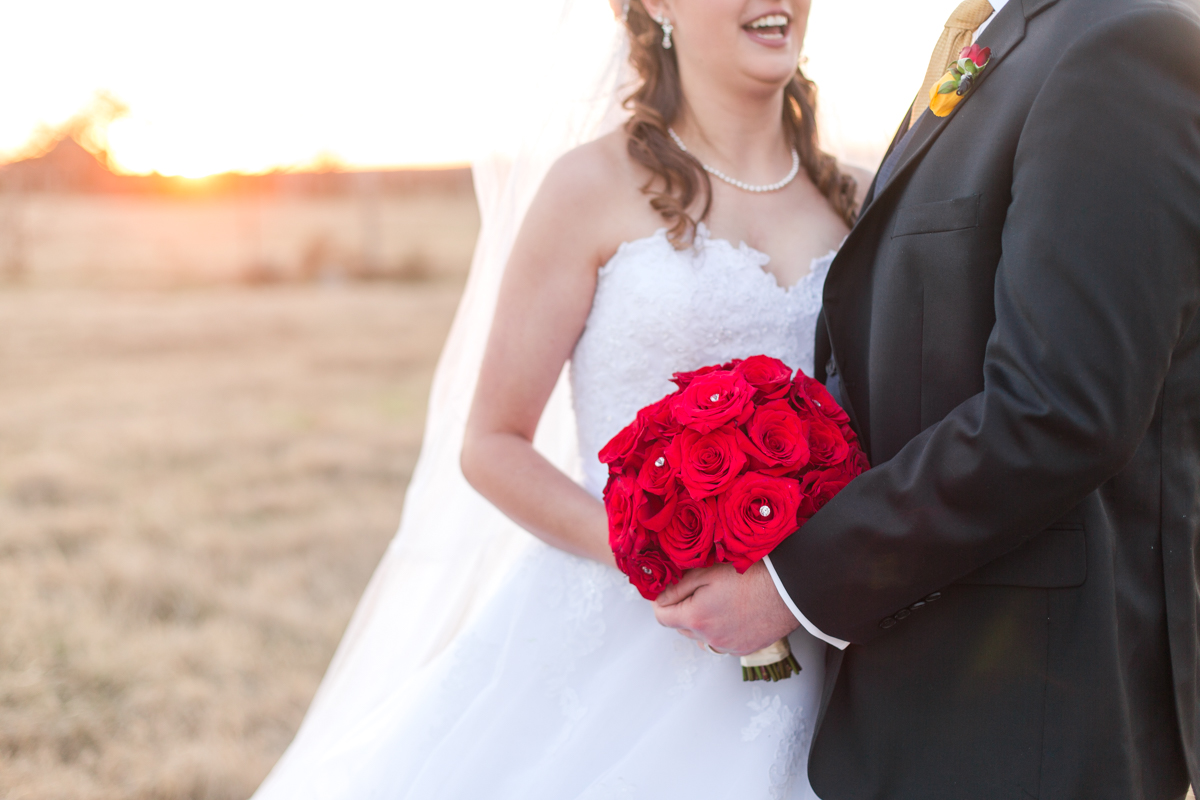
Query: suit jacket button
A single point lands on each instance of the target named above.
(902, 613)
(933, 598)
(887, 622)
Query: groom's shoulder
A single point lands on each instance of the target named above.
(1103, 10)
(1189, 10)
(1089, 33)
(1084, 19)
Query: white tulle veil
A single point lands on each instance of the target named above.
(453, 547)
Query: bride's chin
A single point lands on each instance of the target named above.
(770, 65)
(770, 78)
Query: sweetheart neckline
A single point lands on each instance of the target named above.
(706, 239)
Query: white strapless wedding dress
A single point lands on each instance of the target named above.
(565, 687)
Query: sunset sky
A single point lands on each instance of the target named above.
(250, 85)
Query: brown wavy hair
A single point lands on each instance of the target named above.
(677, 178)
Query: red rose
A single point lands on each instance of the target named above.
(758, 512)
(813, 404)
(714, 399)
(708, 462)
(980, 56)
(827, 444)
(623, 448)
(682, 379)
(656, 512)
(650, 571)
(776, 439)
(658, 420)
(688, 539)
(622, 500)
(849, 435)
(819, 486)
(770, 377)
(812, 393)
(658, 471)
(813, 401)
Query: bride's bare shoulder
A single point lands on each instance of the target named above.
(592, 194)
(599, 170)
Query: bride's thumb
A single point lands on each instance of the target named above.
(676, 593)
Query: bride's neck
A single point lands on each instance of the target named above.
(741, 134)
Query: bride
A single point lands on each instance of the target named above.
(482, 664)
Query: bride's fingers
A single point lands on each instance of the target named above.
(678, 592)
(672, 616)
(671, 596)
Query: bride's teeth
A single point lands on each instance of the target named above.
(771, 21)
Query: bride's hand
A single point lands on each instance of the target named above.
(737, 614)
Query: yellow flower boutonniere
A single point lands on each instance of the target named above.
(946, 94)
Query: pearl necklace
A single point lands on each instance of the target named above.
(745, 187)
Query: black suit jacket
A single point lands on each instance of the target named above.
(1014, 324)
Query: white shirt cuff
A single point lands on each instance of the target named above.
(808, 626)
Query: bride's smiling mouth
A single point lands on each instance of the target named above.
(769, 29)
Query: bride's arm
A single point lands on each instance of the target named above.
(544, 301)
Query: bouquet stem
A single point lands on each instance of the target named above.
(773, 663)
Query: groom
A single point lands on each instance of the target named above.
(1013, 327)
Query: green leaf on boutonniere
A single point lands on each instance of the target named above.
(970, 67)
(947, 87)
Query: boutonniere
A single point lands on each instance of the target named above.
(946, 94)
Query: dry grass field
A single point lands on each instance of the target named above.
(194, 488)
(71, 240)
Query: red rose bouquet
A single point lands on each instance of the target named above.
(723, 470)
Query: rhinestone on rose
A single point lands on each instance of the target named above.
(647, 570)
(660, 461)
(765, 511)
(715, 398)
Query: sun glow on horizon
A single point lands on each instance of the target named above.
(257, 85)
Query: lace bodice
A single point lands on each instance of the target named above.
(658, 311)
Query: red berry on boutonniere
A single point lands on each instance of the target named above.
(979, 56)
(947, 93)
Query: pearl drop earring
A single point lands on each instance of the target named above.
(667, 29)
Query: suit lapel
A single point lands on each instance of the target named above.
(896, 140)
(857, 253)
(1003, 35)
(1035, 7)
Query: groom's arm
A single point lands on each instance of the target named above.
(1099, 279)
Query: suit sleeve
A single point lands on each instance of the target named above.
(1099, 279)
